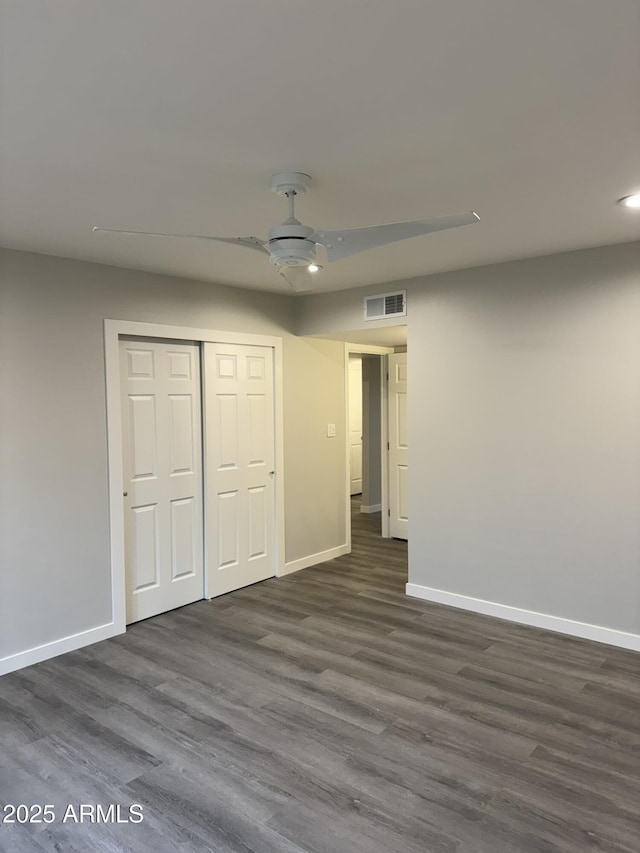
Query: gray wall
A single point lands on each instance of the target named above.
(524, 419)
(54, 545)
(524, 430)
(342, 311)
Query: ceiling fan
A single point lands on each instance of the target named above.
(291, 246)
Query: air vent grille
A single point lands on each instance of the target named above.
(385, 305)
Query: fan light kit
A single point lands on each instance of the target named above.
(631, 201)
(291, 246)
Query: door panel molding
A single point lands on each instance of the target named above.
(113, 330)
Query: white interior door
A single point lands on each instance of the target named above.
(162, 459)
(239, 453)
(398, 509)
(355, 424)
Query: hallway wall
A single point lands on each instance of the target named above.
(524, 435)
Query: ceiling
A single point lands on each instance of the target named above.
(171, 116)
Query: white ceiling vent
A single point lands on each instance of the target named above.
(385, 305)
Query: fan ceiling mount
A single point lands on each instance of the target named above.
(291, 246)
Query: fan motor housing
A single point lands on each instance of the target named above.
(289, 245)
(292, 252)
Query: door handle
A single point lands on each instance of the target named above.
(124, 494)
(271, 473)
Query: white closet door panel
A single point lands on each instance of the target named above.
(225, 433)
(257, 366)
(257, 429)
(258, 523)
(143, 550)
(181, 434)
(180, 365)
(162, 461)
(184, 547)
(227, 528)
(239, 443)
(142, 421)
(139, 363)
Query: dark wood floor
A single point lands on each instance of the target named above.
(328, 712)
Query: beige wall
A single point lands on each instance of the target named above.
(313, 398)
(524, 431)
(54, 525)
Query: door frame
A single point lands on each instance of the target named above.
(365, 349)
(113, 329)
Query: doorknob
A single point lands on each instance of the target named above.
(271, 473)
(124, 494)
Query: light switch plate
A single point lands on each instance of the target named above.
(331, 430)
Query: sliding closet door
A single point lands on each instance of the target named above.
(240, 466)
(162, 459)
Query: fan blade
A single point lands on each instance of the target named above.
(299, 278)
(342, 242)
(248, 242)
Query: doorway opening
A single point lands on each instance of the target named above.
(365, 385)
(375, 405)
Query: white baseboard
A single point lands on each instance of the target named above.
(610, 636)
(313, 560)
(373, 508)
(57, 647)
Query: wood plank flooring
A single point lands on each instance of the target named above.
(327, 712)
